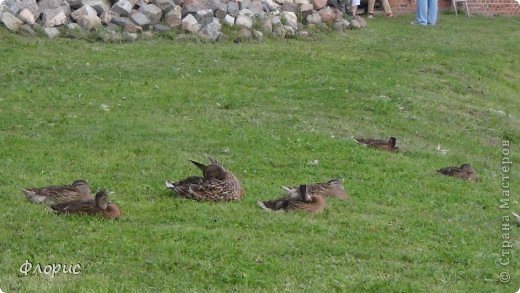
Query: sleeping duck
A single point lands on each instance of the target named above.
(464, 172)
(218, 184)
(78, 190)
(332, 188)
(100, 206)
(387, 145)
(303, 201)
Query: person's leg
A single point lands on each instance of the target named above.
(371, 4)
(421, 11)
(432, 12)
(386, 7)
(353, 6)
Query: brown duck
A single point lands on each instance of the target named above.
(100, 206)
(332, 188)
(464, 172)
(218, 184)
(304, 201)
(387, 145)
(78, 190)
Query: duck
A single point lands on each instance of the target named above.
(78, 190)
(331, 188)
(100, 206)
(217, 184)
(381, 144)
(304, 201)
(464, 172)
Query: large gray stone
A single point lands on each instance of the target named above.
(256, 8)
(190, 24)
(11, 22)
(122, 7)
(12, 6)
(233, 8)
(244, 21)
(290, 19)
(161, 28)
(26, 16)
(289, 7)
(165, 5)
(89, 22)
(130, 37)
(141, 20)
(53, 17)
(244, 4)
(53, 4)
(26, 30)
(32, 6)
(152, 12)
(210, 31)
(314, 18)
(75, 4)
(229, 20)
(51, 32)
(106, 17)
(84, 10)
(174, 17)
(192, 6)
(132, 28)
(121, 20)
(99, 5)
(221, 11)
(204, 17)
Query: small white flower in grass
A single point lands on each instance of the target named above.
(104, 107)
(314, 162)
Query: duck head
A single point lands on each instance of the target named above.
(304, 195)
(211, 171)
(392, 141)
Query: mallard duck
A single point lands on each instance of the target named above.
(333, 188)
(78, 190)
(387, 145)
(100, 206)
(464, 172)
(304, 201)
(218, 184)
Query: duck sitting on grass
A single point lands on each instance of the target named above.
(332, 188)
(78, 190)
(218, 184)
(464, 172)
(304, 202)
(381, 144)
(100, 206)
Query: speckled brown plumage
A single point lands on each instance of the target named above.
(100, 206)
(464, 172)
(78, 190)
(332, 188)
(304, 202)
(381, 144)
(218, 184)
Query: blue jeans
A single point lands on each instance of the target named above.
(426, 12)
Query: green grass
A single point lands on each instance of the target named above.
(265, 111)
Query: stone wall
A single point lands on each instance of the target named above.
(129, 19)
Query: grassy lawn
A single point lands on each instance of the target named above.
(128, 116)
